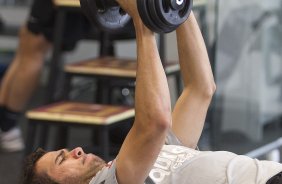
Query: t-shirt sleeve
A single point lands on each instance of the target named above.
(107, 175)
(171, 139)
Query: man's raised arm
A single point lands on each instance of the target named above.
(191, 108)
(152, 107)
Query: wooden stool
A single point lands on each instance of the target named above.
(112, 69)
(115, 67)
(78, 114)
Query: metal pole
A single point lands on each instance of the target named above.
(265, 149)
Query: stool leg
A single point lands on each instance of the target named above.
(43, 138)
(106, 45)
(67, 87)
(103, 90)
(61, 137)
(104, 142)
(56, 56)
(95, 136)
(30, 138)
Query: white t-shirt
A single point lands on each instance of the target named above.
(181, 165)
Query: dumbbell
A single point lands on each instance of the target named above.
(161, 16)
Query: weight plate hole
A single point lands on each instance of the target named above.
(165, 6)
(100, 7)
(122, 12)
(183, 11)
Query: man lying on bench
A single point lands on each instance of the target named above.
(160, 147)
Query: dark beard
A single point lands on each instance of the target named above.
(96, 166)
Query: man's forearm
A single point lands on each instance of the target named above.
(190, 109)
(152, 112)
(194, 60)
(152, 92)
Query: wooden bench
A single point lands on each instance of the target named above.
(68, 114)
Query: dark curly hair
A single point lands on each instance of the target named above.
(29, 174)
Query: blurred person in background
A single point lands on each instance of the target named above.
(22, 76)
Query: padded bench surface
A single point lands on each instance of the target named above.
(112, 67)
(81, 113)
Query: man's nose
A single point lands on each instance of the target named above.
(77, 152)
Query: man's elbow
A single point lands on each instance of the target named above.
(164, 123)
(203, 90)
(161, 120)
(158, 116)
(209, 90)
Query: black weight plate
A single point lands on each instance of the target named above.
(109, 19)
(143, 10)
(173, 17)
(165, 28)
